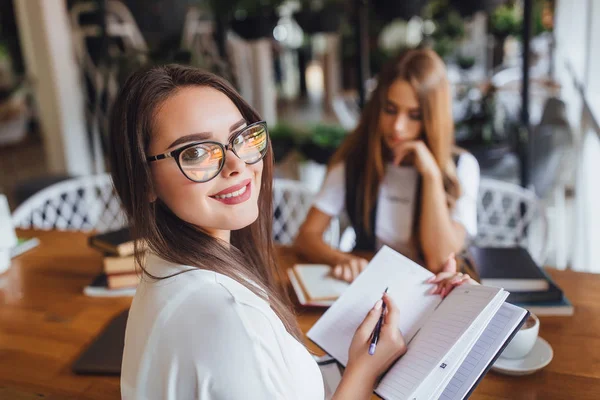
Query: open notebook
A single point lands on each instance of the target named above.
(451, 342)
(314, 285)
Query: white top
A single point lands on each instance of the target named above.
(202, 335)
(396, 201)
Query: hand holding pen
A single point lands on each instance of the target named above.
(377, 330)
(389, 343)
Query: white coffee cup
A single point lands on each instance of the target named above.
(524, 340)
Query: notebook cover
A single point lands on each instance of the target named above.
(119, 265)
(117, 242)
(562, 308)
(99, 288)
(104, 355)
(487, 369)
(554, 293)
(506, 264)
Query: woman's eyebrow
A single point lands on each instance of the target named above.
(233, 127)
(194, 137)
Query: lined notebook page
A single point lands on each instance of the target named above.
(435, 384)
(436, 339)
(333, 332)
(495, 334)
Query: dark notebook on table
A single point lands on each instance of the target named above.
(116, 243)
(514, 270)
(511, 268)
(104, 355)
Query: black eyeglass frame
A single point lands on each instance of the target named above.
(224, 147)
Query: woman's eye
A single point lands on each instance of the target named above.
(193, 155)
(389, 110)
(238, 140)
(415, 116)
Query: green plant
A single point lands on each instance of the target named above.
(316, 5)
(449, 27)
(506, 20)
(282, 130)
(321, 141)
(465, 62)
(328, 136)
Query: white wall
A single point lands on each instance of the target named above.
(50, 62)
(577, 62)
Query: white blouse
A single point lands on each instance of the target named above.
(396, 201)
(203, 335)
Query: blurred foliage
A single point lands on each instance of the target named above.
(316, 5)
(449, 27)
(328, 136)
(316, 142)
(506, 20)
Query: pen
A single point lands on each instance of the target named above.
(377, 330)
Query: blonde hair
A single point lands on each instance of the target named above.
(425, 71)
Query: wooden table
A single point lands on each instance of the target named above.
(46, 322)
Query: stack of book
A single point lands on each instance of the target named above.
(514, 270)
(119, 275)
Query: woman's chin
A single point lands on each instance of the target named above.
(236, 222)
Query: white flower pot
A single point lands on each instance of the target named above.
(312, 174)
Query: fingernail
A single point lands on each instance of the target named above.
(432, 291)
(378, 304)
(430, 279)
(450, 257)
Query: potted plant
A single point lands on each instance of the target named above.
(14, 113)
(505, 21)
(255, 19)
(319, 16)
(449, 27)
(283, 140)
(322, 141)
(465, 62)
(485, 129)
(319, 144)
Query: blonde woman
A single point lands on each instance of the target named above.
(398, 176)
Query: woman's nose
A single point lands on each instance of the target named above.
(400, 124)
(233, 164)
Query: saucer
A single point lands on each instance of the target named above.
(538, 358)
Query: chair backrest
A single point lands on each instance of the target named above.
(291, 202)
(509, 215)
(80, 204)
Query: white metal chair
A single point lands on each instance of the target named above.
(80, 204)
(291, 202)
(509, 215)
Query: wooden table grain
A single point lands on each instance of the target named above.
(46, 322)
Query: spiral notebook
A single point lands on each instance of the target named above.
(451, 342)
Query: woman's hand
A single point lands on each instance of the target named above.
(423, 158)
(348, 267)
(449, 278)
(390, 346)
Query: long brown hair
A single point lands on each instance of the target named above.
(424, 70)
(251, 257)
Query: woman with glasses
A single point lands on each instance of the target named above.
(192, 164)
(398, 176)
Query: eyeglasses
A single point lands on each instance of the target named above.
(202, 161)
